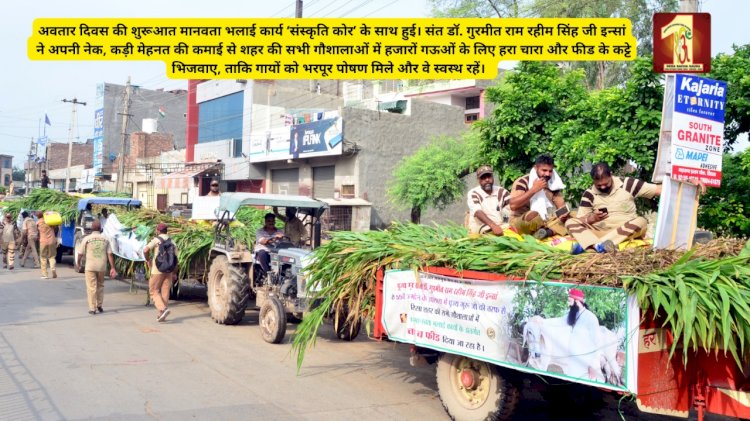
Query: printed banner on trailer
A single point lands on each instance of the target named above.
(581, 334)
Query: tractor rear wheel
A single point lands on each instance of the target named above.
(227, 291)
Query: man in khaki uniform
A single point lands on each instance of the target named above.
(293, 227)
(486, 202)
(525, 192)
(607, 214)
(95, 247)
(47, 246)
(30, 234)
(159, 284)
(10, 236)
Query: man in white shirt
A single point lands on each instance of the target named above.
(263, 237)
(486, 202)
(585, 338)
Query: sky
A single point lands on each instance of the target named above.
(31, 89)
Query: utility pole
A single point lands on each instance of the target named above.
(298, 9)
(125, 115)
(689, 6)
(73, 120)
(27, 175)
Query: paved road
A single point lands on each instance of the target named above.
(58, 362)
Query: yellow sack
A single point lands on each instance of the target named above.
(633, 244)
(564, 243)
(52, 218)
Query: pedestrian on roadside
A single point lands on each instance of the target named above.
(95, 247)
(10, 237)
(162, 265)
(45, 180)
(30, 235)
(47, 246)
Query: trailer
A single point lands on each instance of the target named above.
(485, 332)
(71, 233)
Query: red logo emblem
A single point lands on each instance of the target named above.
(682, 42)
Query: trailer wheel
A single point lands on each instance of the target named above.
(227, 291)
(78, 265)
(346, 330)
(474, 390)
(272, 320)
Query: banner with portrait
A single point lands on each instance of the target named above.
(583, 334)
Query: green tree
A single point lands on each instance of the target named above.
(431, 177)
(618, 125)
(599, 74)
(19, 174)
(726, 210)
(477, 8)
(735, 70)
(531, 103)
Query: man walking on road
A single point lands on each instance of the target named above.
(160, 282)
(95, 247)
(47, 246)
(30, 235)
(10, 237)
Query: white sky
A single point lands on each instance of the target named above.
(29, 89)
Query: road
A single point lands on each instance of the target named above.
(58, 362)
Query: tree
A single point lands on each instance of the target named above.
(531, 103)
(619, 126)
(476, 8)
(726, 210)
(735, 70)
(19, 174)
(599, 74)
(431, 177)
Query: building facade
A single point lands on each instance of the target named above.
(286, 137)
(6, 170)
(165, 111)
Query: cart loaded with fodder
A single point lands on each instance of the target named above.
(669, 328)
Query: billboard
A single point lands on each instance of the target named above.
(323, 137)
(698, 129)
(98, 141)
(525, 325)
(682, 42)
(272, 145)
(98, 130)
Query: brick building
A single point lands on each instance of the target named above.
(57, 164)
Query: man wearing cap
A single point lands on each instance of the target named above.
(486, 202)
(95, 247)
(584, 359)
(159, 284)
